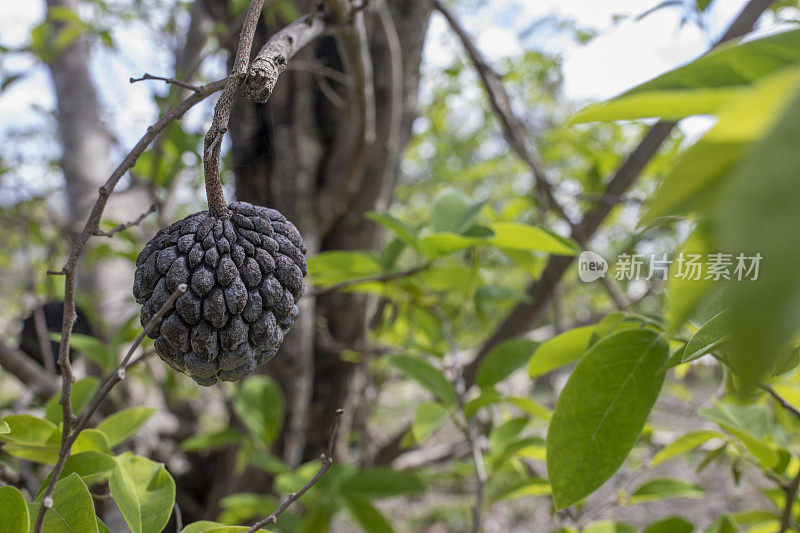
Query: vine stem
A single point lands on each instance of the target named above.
(222, 113)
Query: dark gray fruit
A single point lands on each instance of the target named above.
(245, 275)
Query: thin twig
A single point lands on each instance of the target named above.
(378, 278)
(222, 112)
(173, 81)
(69, 271)
(327, 461)
(791, 496)
(781, 400)
(68, 437)
(470, 430)
(122, 227)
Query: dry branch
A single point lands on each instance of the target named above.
(69, 270)
(68, 436)
(522, 315)
(212, 145)
(327, 461)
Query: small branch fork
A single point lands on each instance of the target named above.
(79, 424)
(173, 81)
(327, 461)
(122, 227)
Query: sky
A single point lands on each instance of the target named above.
(625, 53)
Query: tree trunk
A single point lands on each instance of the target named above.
(282, 153)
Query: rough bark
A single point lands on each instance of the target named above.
(282, 154)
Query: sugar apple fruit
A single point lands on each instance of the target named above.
(245, 276)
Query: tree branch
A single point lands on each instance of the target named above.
(274, 56)
(791, 496)
(351, 35)
(522, 315)
(69, 270)
(122, 227)
(378, 278)
(222, 112)
(470, 429)
(781, 400)
(42, 385)
(327, 461)
(173, 81)
(68, 437)
(519, 139)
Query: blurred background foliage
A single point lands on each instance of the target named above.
(697, 380)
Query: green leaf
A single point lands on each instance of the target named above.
(608, 526)
(429, 416)
(730, 65)
(722, 524)
(403, 230)
(92, 347)
(560, 350)
(674, 524)
(684, 295)
(528, 488)
(505, 433)
(454, 212)
(764, 313)
(504, 359)
(101, 527)
(144, 492)
(602, 410)
(670, 105)
(380, 482)
(260, 404)
(693, 182)
(4, 428)
(93, 467)
(662, 488)
(91, 440)
(82, 392)
(73, 509)
(212, 441)
(328, 268)
(744, 423)
(14, 511)
(243, 506)
(31, 438)
(27, 429)
(318, 519)
(523, 237)
(124, 424)
(426, 375)
(207, 526)
(683, 444)
(367, 516)
(439, 244)
(710, 336)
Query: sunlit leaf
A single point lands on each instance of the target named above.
(590, 435)
(144, 492)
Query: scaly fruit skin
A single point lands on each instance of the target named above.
(245, 276)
